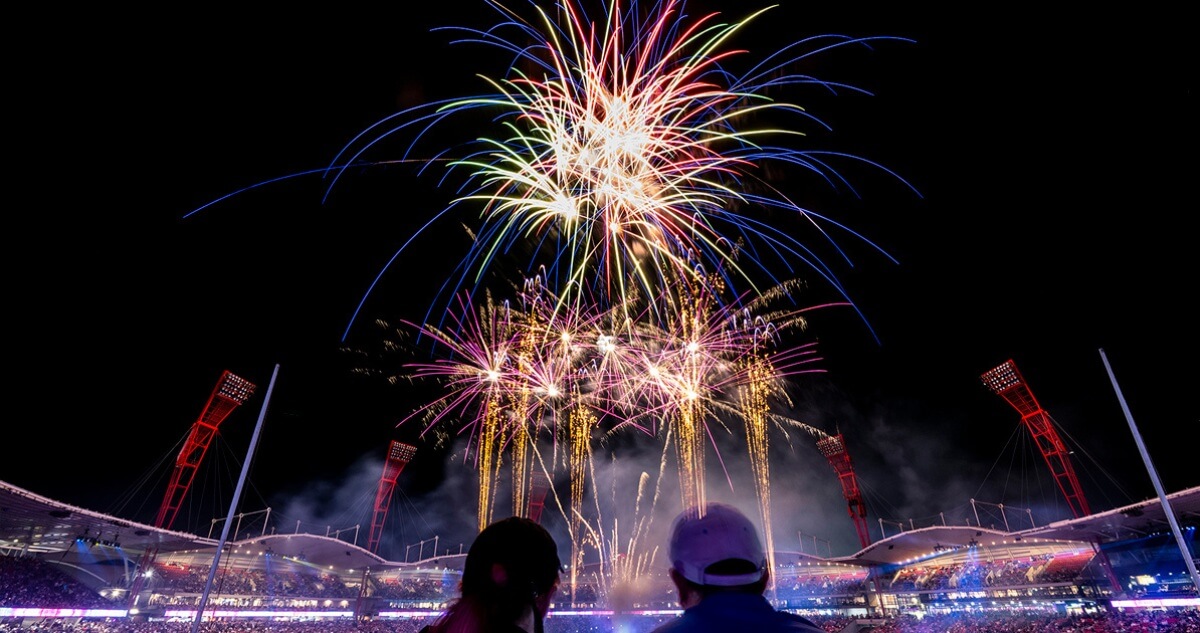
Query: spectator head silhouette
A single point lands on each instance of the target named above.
(720, 570)
(715, 545)
(509, 577)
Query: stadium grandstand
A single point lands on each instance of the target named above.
(73, 565)
(70, 568)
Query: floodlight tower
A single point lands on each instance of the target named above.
(398, 457)
(539, 484)
(231, 391)
(834, 450)
(1006, 381)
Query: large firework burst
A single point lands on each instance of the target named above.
(627, 158)
(628, 153)
(628, 163)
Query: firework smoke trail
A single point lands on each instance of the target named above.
(755, 401)
(522, 439)
(582, 422)
(488, 459)
(687, 429)
(511, 370)
(631, 562)
(478, 377)
(723, 362)
(507, 372)
(624, 558)
(762, 386)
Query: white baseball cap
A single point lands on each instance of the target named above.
(713, 533)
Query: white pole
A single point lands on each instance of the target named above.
(237, 493)
(1162, 496)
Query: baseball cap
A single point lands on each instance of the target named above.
(714, 533)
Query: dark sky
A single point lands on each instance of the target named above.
(1051, 152)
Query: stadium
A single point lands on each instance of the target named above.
(1055, 569)
(73, 566)
(184, 221)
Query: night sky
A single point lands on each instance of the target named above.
(1051, 154)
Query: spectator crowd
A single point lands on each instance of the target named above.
(32, 582)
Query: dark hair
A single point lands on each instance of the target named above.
(529, 557)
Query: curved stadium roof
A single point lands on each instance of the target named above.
(39, 525)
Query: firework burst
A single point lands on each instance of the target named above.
(630, 159)
(542, 385)
(628, 152)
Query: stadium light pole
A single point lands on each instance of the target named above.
(1158, 487)
(1007, 382)
(237, 494)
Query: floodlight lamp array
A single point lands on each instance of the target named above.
(830, 446)
(236, 388)
(1002, 378)
(400, 452)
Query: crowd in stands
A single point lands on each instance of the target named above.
(413, 589)
(1176, 621)
(280, 586)
(991, 573)
(32, 582)
(309, 583)
(239, 626)
(806, 585)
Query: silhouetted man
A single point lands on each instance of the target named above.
(719, 568)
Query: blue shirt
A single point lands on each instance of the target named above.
(730, 612)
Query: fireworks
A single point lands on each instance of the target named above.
(517, 376)
(630, 154)
(627, 159)
(629, 166)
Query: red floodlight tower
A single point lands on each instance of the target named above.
(539, 485)
(1007, 382)
(231, 391)
(834, 450)
(398, 457)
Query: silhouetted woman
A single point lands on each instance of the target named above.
(509, 578)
